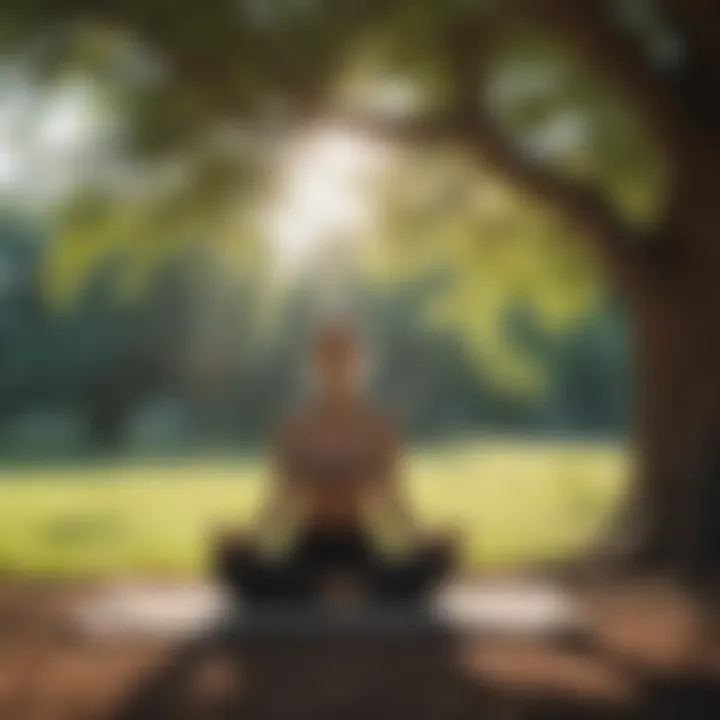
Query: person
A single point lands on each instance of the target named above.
(337, 464)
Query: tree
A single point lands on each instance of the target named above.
(645, 69)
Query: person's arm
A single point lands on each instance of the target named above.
(277, 506)
(394, 503)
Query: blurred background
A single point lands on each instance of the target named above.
(516, 201)
(184, 194)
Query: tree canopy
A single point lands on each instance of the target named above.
(203, 97)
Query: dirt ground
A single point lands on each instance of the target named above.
(654, 655)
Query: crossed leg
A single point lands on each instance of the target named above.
(240, 566)
(254, 578)
(416, 575)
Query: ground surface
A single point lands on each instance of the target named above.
(653, 657)
(514, 501)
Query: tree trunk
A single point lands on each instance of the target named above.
(676, 518)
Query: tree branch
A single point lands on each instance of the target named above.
(589, 27)
(615, 241)
(619, 246)
(470, 50)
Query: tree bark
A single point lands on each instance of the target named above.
(676, 327)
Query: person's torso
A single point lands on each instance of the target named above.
(334, 461)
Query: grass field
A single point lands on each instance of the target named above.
(514, 501)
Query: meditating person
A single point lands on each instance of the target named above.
(336, 477)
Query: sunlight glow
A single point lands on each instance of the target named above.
(325, 202)
(50, 140)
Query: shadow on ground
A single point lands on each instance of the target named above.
(639, 665)
(445, 677)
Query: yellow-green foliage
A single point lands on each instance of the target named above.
(514, 501)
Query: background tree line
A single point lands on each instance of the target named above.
(193, 361)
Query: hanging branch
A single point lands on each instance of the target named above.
(588, 26)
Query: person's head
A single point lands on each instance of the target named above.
(335, 359)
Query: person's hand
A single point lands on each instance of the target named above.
(231, 538)
(342, 591)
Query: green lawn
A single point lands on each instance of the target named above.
(515, 502)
